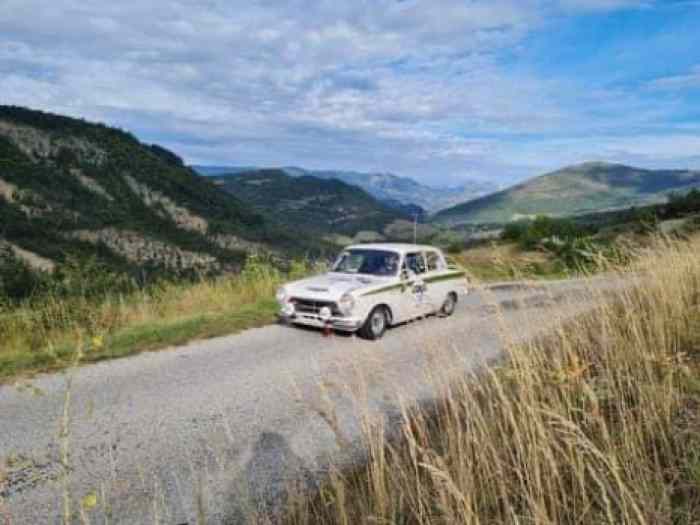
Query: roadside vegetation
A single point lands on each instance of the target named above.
(85, 306)
(551, 248)
(85, 303)
(596, 423)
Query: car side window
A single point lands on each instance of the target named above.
(415, 263)
(434, 261)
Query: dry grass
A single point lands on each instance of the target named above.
(597, 423)
(504, 261)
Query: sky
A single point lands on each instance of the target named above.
(439, 90)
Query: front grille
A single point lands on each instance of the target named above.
(310, 306)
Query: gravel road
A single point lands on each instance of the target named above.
(222, 425)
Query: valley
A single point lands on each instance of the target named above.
(390, 189)
(324, 207)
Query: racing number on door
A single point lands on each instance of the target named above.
(416, 265)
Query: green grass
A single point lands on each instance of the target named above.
(153, 336)
(134, 339)
(46, 334)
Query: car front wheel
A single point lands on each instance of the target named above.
(448, 307)
(376, 324)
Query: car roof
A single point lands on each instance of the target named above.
(393, 247)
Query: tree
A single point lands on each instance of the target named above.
(17, 280)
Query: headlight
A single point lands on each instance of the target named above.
(281, 295)
(346, 304)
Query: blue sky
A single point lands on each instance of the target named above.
(440, 90)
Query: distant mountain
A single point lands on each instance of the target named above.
(72, 189)
(574, 190)
(410, 210)
(321, 206)
(222, 170)
(384, 186)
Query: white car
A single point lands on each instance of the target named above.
(373, 286)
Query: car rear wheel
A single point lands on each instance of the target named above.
(376, 324)
(448, 307)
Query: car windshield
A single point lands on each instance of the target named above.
(369, 262)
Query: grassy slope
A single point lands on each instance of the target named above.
(140, 337)
(574, 190)
(42, 336)
(314, 204)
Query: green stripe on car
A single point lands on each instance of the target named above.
(402, 286)
(387, 288)
(446, 277)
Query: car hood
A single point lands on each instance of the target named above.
(332, 286)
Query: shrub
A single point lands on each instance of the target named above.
(515, 231)
(455, 247)
(680, 204)
(529, 234)
(87, 277)
(17, 280)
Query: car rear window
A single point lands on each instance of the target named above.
(434, 261)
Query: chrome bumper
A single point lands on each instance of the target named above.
(344, 324)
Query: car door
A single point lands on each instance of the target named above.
(436, 286)
(415, 301)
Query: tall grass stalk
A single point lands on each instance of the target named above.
(591, 424)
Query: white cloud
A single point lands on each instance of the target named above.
(605, 4)
(415, 86)
(690, 80)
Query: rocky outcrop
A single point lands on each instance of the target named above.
(31, 204)
(231, 242)
(90, 184)
(41, 145)
(8, 191)
(139, 249)
(167, 208)
(32, 259)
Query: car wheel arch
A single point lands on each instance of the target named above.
(388, 310)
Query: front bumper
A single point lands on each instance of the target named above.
(343, 324)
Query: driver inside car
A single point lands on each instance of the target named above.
(390, 265)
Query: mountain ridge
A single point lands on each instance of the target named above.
(384, 186)
(318, 205)
(573, 190)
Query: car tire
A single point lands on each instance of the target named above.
(448, 307)
(376, 324)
